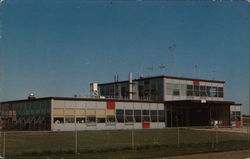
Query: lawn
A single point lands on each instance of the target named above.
(120, 143)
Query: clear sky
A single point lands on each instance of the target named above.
(58, 47)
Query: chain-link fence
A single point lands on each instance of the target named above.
(193, 139)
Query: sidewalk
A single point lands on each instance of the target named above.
(242, 154)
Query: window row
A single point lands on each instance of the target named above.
(81, 120)
(140, 115)
(122, 116)
(193, 90)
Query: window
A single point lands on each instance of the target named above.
(129, 116)
(137, 115)
(101, 120)
(146, 117)
(176, 92)
(145, 112)
(213, 92)
(203, 91)
(235, 116)
(220, 92)
(91, 119)
(120, 115)
(80, 120)
(183, 89)
(161, 115)
(196, 91)
(110, 119)
(59, 120)
(169, 88)
(189, 90)
(69, 119)
(153, 114)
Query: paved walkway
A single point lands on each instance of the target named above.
(242, 154)
(233, 130)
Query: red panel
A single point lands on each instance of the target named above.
(145, 125)
(196, 83)
(110, 105)
(238, 123)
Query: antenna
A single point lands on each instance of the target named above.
(1, 26)
(213, 74)
(172, 53)
(196, 69)
(162, 68)
(151, 70)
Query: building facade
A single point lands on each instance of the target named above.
(165, 88)
(188, 101)
(68, 114)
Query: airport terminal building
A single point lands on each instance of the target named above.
(143, 103)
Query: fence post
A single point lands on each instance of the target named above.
(216, 134)
(212, 137)
(4, 144)
(178, 135)
(248, 133)
(76, 142)
(133, 139)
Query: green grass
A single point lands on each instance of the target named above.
(118, 144)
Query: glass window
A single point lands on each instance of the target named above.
(129, 119)
(213, 92)
(129, 116)
(146, 119)
(220, 92)
(110, 119)
(203, 91)
(120, 115)
(101, 120)
(69, 119)
(161, 115)
(183, 90)
(169, 88)
(189, 90)
(137, 115)
(153, 114)
(196, 91)
(80, 120)
(59, 120)
(91, 119)
(145, 112)
(128, 112)
(176, 92)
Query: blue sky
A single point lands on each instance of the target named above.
(58, 47)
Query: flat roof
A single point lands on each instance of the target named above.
(169, 77)
(81, 99)
(200, 101)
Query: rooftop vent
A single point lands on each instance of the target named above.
(31, 96)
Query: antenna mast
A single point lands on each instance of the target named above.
(151, 70)
(162, 68)
(172, 53)
(1, 26)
